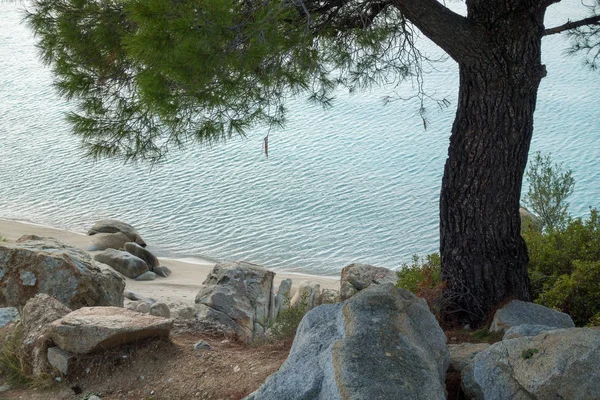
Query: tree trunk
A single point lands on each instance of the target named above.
(484, 257)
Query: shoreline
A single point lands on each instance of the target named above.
(178, 289)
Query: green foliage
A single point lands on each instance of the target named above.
(485, 336)
(564, 267)
(577, 294)
(528, 353)
(150, 75)
(3, 239)
(421, 273)
(549, 187)
(286, 323)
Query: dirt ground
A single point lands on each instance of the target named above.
(167, 369)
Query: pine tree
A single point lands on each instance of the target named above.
(152, 75)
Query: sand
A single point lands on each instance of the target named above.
(180, 288)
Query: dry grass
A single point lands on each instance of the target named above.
(15, 365)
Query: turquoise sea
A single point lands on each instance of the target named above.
(355, 183)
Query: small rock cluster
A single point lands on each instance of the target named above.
(122, 248)
(146, 305)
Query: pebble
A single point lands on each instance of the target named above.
(236, 368)
(202, 345)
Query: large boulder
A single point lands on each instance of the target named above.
(383, 343)
(123, 262)
(560, 364)
(237, 295)
(519, 312)
(103, 241)
(90, 329)
(140, 252)
(114, 226)
(45, 265)
(356, 277)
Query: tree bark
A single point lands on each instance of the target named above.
(484, 257)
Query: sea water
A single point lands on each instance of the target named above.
(356, 183)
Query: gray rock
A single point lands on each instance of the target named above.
(160, 310)
(45, 265)
(526, 330)
(356, 277)
(28, 278)
(384, 343)
(560, 364)
(462, 354)
(94, 397)
(519, 312)
(143, 308)
(186, 313)
(202, 345)
(90, 329)
(140, 252)
(123, 262)
(114, 226)
(237, 295)
(163, 271)
(329, 296)
(134, 296)
(528, 219)
(281, 299)
(308, 372)
(103, 241)
(38, 313)
(8, 315)
(307, 295)
(146, 276)
(60, 359)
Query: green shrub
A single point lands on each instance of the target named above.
(286, 323)
(564, 267)
(421, 273)
(549, 187)
(577, 294)
(553, 253)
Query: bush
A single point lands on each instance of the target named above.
(549, 186)
(421, 273)
(553, 253)
(286, 323)
(577, 294)
(564, 267)
(424, 278)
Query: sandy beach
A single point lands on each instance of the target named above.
(180, 288)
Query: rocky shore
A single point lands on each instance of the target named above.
(365, 339)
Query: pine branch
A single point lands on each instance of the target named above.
(595, 20)
(449, 30)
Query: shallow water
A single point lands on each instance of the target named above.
(357, 183)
